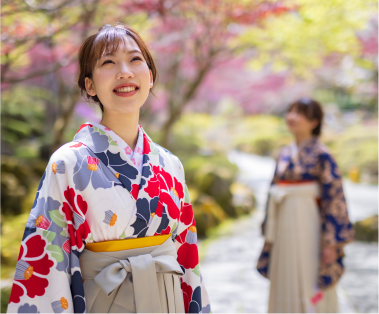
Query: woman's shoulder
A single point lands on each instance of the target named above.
(323, 152)
(67, 153)
(169, 160)
(321, 149)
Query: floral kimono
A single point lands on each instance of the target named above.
(311, 162)
(96, 189)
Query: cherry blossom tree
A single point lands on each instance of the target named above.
(193, 37)
(41, 40)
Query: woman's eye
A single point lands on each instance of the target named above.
(137, 58)
(107, 61)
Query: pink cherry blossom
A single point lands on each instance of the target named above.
(128, 150)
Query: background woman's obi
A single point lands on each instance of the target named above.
(312, 162)
(93, 192)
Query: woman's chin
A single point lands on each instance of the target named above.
(123, 109)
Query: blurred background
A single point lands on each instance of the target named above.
(227, 72)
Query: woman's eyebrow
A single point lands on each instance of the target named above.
(111, 54)
(133, 51)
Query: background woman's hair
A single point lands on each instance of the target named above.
(311, 109)
(107, 40)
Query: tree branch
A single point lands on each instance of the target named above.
(52, 69)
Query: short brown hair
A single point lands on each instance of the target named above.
(311, 109)
(107, 40)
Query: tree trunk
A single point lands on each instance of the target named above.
(176, 111)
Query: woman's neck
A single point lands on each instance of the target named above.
(124, 125)
(301, 138)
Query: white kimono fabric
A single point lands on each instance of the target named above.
(293, 228)
(90, 192)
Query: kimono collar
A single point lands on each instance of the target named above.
(110, 149)
(154, 188)
(295, 149)
(135, 156)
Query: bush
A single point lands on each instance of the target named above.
(367, 229)
(261, 135)
(356, 147)
(5, 295)
(19, 182)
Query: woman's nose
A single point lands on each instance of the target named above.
(124, 72)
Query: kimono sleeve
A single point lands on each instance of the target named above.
(47, 277)
(194, 293)
(336, 226)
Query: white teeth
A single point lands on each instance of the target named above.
(125, 89)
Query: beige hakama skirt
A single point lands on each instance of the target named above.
(293, 228)
(140, 280)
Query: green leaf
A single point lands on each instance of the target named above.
(196, 270)
(56, 252)
(49, 235)
(101, 131)
(56, 216)
(111, 141)
(174, 226)
(187, 198)
(64, 233)
(123, 236)
(154, 149)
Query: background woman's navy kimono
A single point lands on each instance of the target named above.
(312, 161)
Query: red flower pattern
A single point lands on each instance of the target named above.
(165, 231)
(181, 238)
(188, 255)
(76, 145)
(153, 186)
(76, 215)
(170, 191)
(187, 295)
(186, 215)
(135, 189)
(146, 145)
(33, 254)
(83, 126)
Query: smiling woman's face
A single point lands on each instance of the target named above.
(299, 124)
(121, 80)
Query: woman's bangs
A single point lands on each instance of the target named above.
(108, 41)
(301, 108)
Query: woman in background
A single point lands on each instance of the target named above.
(112, 227)
(306, 223)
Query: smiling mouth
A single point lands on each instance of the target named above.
(127, 89)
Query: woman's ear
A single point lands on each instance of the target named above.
(90, 87)
(315, 123)
(151, 79)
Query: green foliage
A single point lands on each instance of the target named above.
(367, 229)
(14, 185)
(19, 182)
(302, 38)
(261, 135)
(202, 142)
(5, 295)
(22, 120)
(11, 235)
(357, 147)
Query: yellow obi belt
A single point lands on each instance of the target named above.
(126, 244)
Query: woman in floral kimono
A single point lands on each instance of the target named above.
(112, 227)
(306, 223)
